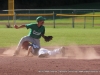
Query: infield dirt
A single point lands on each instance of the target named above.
(79, 60)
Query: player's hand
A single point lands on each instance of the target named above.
(15, 26)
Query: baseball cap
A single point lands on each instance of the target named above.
(40, 18)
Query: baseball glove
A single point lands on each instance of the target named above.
(25, 45)
(48, 38)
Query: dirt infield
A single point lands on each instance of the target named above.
(79, 60)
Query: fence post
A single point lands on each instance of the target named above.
(14, 20)
(54, 17)
(84, 21)
(93, 18)
(8, 21)
(73, 20)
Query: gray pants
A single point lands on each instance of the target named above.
(27, 38)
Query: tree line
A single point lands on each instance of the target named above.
(35, 4)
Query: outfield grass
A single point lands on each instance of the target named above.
(62, 36)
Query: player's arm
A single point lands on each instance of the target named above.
(29, 50)
(21, 26)
(43, 35)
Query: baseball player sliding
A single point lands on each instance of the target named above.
(42, 52)
(36, 31)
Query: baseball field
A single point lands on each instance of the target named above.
(82, 52)
(82, 44)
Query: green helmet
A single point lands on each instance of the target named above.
(40, 18)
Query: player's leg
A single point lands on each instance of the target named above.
(36, 42)
(25, 38)
(35, 46)
(43, 53)
(29, 50)
(60, 50)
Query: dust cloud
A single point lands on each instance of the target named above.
(72, 52)
(75, 52)
(11, 51)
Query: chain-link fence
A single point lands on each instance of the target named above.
(54, 17)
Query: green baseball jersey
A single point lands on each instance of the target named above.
(35, 31)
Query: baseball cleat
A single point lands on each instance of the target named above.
(62, 49)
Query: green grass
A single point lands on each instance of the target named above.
(62, 36)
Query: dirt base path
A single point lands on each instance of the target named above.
(84, 60)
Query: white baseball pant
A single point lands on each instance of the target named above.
(51, 53)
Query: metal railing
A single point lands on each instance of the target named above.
(53, 14)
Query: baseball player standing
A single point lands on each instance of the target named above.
(36, 31)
